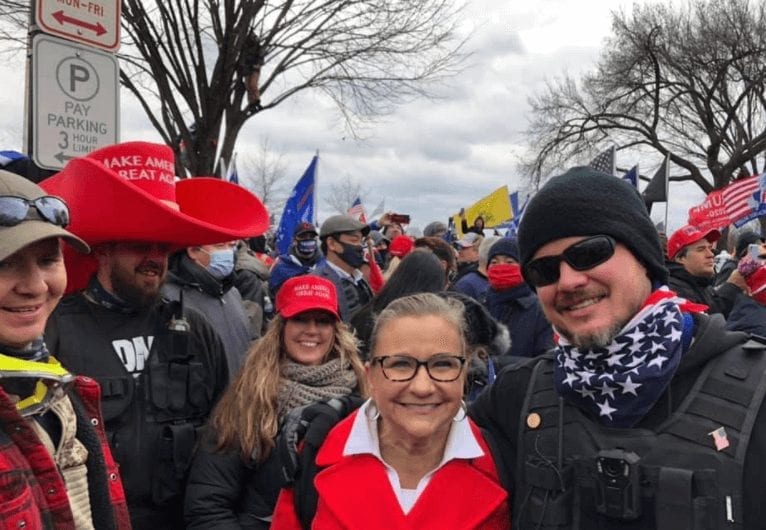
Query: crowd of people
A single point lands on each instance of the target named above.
(160, 368)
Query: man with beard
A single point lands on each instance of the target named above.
(647, 414)
(161, 365)
(342, 240)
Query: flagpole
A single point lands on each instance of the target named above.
(316, 192)
(667, 189)
(638, 175)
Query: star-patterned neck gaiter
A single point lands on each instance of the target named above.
(619, 383)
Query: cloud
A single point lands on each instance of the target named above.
(429, 157)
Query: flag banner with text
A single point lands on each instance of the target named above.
(495, 209)
(739, 202)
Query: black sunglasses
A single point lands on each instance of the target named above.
(15, 210)
(581, 256)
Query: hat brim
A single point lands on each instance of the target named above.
(107, 207)
(297, 309)
(712, 236)
(15, 238)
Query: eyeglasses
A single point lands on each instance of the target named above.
(581, 256)
(400, 368)
(15, 210)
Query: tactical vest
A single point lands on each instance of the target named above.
(151, 421)
(574, 473)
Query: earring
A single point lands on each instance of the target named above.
(372, 412)
(464, 408)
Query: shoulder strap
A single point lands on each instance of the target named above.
(728, 393)
(497, 455)
(315, 422)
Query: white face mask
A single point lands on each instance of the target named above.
(221, 263)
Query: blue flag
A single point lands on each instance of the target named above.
(231, 172)
(513, 228)
(632, 176)
(299, 207)
(6, 157)
(514, 197)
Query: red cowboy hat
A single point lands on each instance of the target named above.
(128, 192)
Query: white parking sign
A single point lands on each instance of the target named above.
(75, 101)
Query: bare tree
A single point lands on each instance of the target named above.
(343, 193)
(264, 173)
(201, 68)
(684, 81)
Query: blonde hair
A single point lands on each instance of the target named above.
(247, 416)
(423, 304)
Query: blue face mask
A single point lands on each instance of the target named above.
(221, 263)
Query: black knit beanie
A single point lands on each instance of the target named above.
(586, 202)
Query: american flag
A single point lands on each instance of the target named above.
(605, 162)
(357, 210)
(720, 439)
(736, 197)
(619, 383)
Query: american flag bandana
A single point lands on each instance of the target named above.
(618, 384)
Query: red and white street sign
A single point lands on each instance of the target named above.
(93, 22)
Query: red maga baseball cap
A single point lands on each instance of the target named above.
(686, 235)
(307, 293)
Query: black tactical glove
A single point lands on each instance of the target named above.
(308, 424)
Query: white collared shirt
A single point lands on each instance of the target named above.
(363, 439)
(355, 277)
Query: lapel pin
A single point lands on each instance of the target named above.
(719, 438)
(533, 420)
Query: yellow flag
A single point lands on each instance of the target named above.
(495, 208)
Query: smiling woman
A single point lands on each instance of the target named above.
(50, 431)
(307, 355)
(397, 462)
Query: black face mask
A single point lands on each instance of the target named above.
(353, 255)
(306, 247)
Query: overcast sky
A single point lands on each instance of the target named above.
(429, 158)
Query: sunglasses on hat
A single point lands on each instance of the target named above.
(581, 256)
(15, 210)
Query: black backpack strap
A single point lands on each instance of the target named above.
(302, 433)
(497, 456)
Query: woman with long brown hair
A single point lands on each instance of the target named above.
(307, 355)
